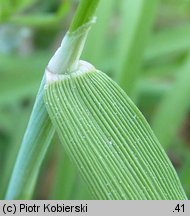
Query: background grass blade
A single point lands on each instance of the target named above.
(95, 48)
(137, 19)
(184, 176)
(42, 20)
(29, 75)
(170, 41)
(166, 123)
(13, 148)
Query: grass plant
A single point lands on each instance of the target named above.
(107, 145)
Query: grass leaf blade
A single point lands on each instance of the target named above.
(109, 139)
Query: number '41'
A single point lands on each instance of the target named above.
(180, 208)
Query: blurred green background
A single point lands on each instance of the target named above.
(144, 45)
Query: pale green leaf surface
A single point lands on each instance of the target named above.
(109, 140)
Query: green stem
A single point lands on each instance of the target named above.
(84, 13)
(37, 138)
(66, 58)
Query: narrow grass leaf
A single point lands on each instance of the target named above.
(169, 41)
(137, 20)
(95, 48)
(166, 121)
